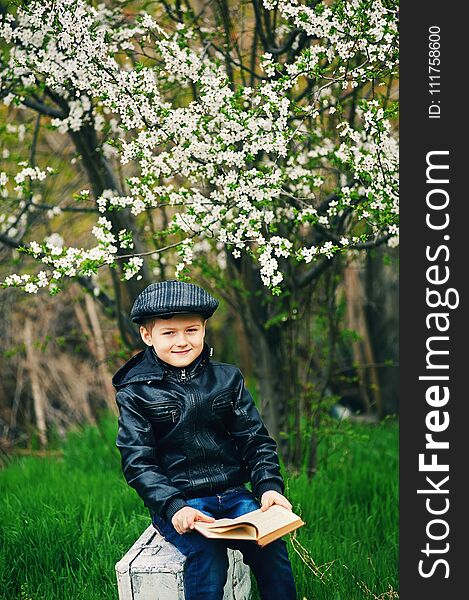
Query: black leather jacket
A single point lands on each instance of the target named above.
(190, 432)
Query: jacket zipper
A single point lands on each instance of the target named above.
(205, 470)
(173, 415)
(183, 374)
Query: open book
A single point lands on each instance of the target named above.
(260, 527)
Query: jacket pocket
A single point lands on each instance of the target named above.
(165, 413)
(223, 403)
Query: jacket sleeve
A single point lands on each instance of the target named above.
(258, 450)
(136, 445)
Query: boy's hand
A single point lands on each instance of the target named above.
(270, 497)
(183, 519)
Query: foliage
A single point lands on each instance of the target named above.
(289, 159)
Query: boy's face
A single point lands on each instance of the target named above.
(178, 340)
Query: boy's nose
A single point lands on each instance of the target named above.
(181, 340)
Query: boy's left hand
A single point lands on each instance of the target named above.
(269, 498)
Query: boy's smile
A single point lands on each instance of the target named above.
(178, 340)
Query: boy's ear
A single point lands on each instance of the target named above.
(145, 335)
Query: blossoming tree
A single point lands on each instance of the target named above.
(250, 141)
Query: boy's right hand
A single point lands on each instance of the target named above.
(183, 519)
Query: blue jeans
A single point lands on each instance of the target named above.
(207, 562)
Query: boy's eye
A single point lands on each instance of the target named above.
(192, 330)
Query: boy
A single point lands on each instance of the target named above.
(190, 437)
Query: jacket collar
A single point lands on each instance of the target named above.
(147, 366)
(185, 373)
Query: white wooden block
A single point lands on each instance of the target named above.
(153, 569)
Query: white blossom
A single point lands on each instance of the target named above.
(236, 165)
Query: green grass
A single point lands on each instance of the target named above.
(66, 522)
(351, 510)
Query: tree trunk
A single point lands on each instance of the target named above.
(101, 177)
(382, 311)
(363, 355)
(271, 372)
(268, 345)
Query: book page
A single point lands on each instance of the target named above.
(233, 527)
(240, 531)
(273, 518)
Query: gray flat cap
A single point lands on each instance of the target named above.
(172, 297)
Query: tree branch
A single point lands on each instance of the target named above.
(64, 208)
(106, 301)
(306, 278)
(42, 108)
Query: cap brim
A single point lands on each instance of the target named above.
(139, 320)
